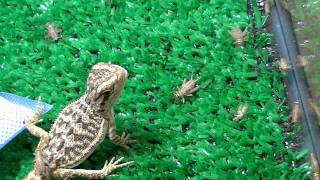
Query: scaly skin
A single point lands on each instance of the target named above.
(80, 128)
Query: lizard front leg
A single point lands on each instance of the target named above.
(91, 174)
(122, 141)
(37, 131)
(43, 143)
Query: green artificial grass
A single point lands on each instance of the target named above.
(197, 139)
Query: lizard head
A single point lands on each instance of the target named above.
(104, 84)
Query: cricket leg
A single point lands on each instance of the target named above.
(91, 174)
(184, 82)
(122, 141)
(194, 89)
(245, 32)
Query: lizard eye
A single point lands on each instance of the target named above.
(103, 95)
(107, 94)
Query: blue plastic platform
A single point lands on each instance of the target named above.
(14, 110)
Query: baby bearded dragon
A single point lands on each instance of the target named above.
(80, 128)
(242, 110)
(53, 32)
(186, 89)
(238, 35)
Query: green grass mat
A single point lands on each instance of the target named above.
(160, 43)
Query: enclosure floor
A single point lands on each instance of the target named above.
(160, 43)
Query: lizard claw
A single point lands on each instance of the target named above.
(113, 165)
(125, 141)
(36, 117)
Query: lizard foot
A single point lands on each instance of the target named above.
(113, 165)
(125, 141)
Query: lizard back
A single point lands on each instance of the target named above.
(74, 136)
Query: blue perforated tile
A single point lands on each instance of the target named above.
(14, 110)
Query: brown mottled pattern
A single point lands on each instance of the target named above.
(75, 137)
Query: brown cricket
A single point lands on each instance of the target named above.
(315, 108)
(295, 112)
(186, 89)
(242, 110)
(284, 65)
(285, 4)
(268, 6)
(302, 61)
(315, 167)
(53, 32)
(238, 35)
